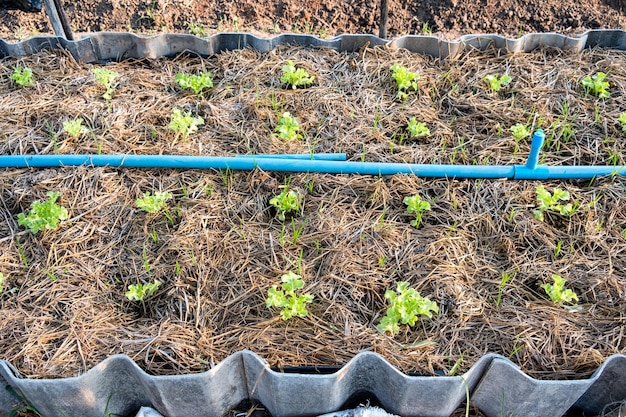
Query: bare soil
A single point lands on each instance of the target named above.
(445, 18)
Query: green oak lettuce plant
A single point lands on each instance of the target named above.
(139, 292)
(406, 305)
(22, 76)
(295, 77)
(406, 80)
(286, 298)
(596, 84)
(195, 83)
(44, 215)
(557, 291)
(415, 205)
(495, 82)
(551, 202)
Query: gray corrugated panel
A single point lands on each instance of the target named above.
(118, 386)
(105, 46)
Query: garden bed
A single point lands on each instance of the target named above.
(221, 246)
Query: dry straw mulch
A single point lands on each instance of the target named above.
(63, 308)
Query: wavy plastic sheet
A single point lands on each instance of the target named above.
(107, 46)
(496, 386)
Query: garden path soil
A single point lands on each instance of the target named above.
(445, 18)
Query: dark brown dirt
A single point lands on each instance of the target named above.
(446, 18)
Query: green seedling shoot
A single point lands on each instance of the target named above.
(288, 127)
(195, 83)
(557, 291)
(496, 82)
(44, 216)
(622, 121)
(406, 305)
(417, 129)
(139, 292)
(551, 202)
(405, 80)
(286, 298)
(415, 205)
(105, 78)
(75, 128)
(23, 76)
(184, 124)
(295, 77)
(520, 132)
(597, 85)
(286, 202)
(1, 282)
(153, 203)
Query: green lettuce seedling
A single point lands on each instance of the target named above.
(105, 78)
(415, 205)
(184, 124)
(496, 83)
(622, 121)
(405, 80)
(557, 292)
(138, 292)
(295, 77)
(286, 298)
(286, 202)
(23, 76)
(520, 132)
(551, 202)
(417, 130)
(75, 128)
(288, 127)
(44, 216)
(195, 83)
(153, 203)
(406, 305)
(597, 85)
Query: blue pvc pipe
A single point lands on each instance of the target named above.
(323, 163)
(540, 172)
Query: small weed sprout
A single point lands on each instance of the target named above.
(417, 129)
(23, 76)
(1, 282)
(557, 292)
(405, 80)
(622, 121)
(415, 205)
(406, 305)
(139, 292)
(596, 84)
(286, 202)
(105, 77)
(496, 82)
(550, 202)
(153, 203)
(75, 128)
(184, 124)
(506, 277)
(44, 216)
(195, 83)
(295, 77)
(288, 127)
(286, 298)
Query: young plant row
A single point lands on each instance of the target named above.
(406, 305)
(288, 128)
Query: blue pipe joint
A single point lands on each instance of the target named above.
(535, 147)
(522, 172)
